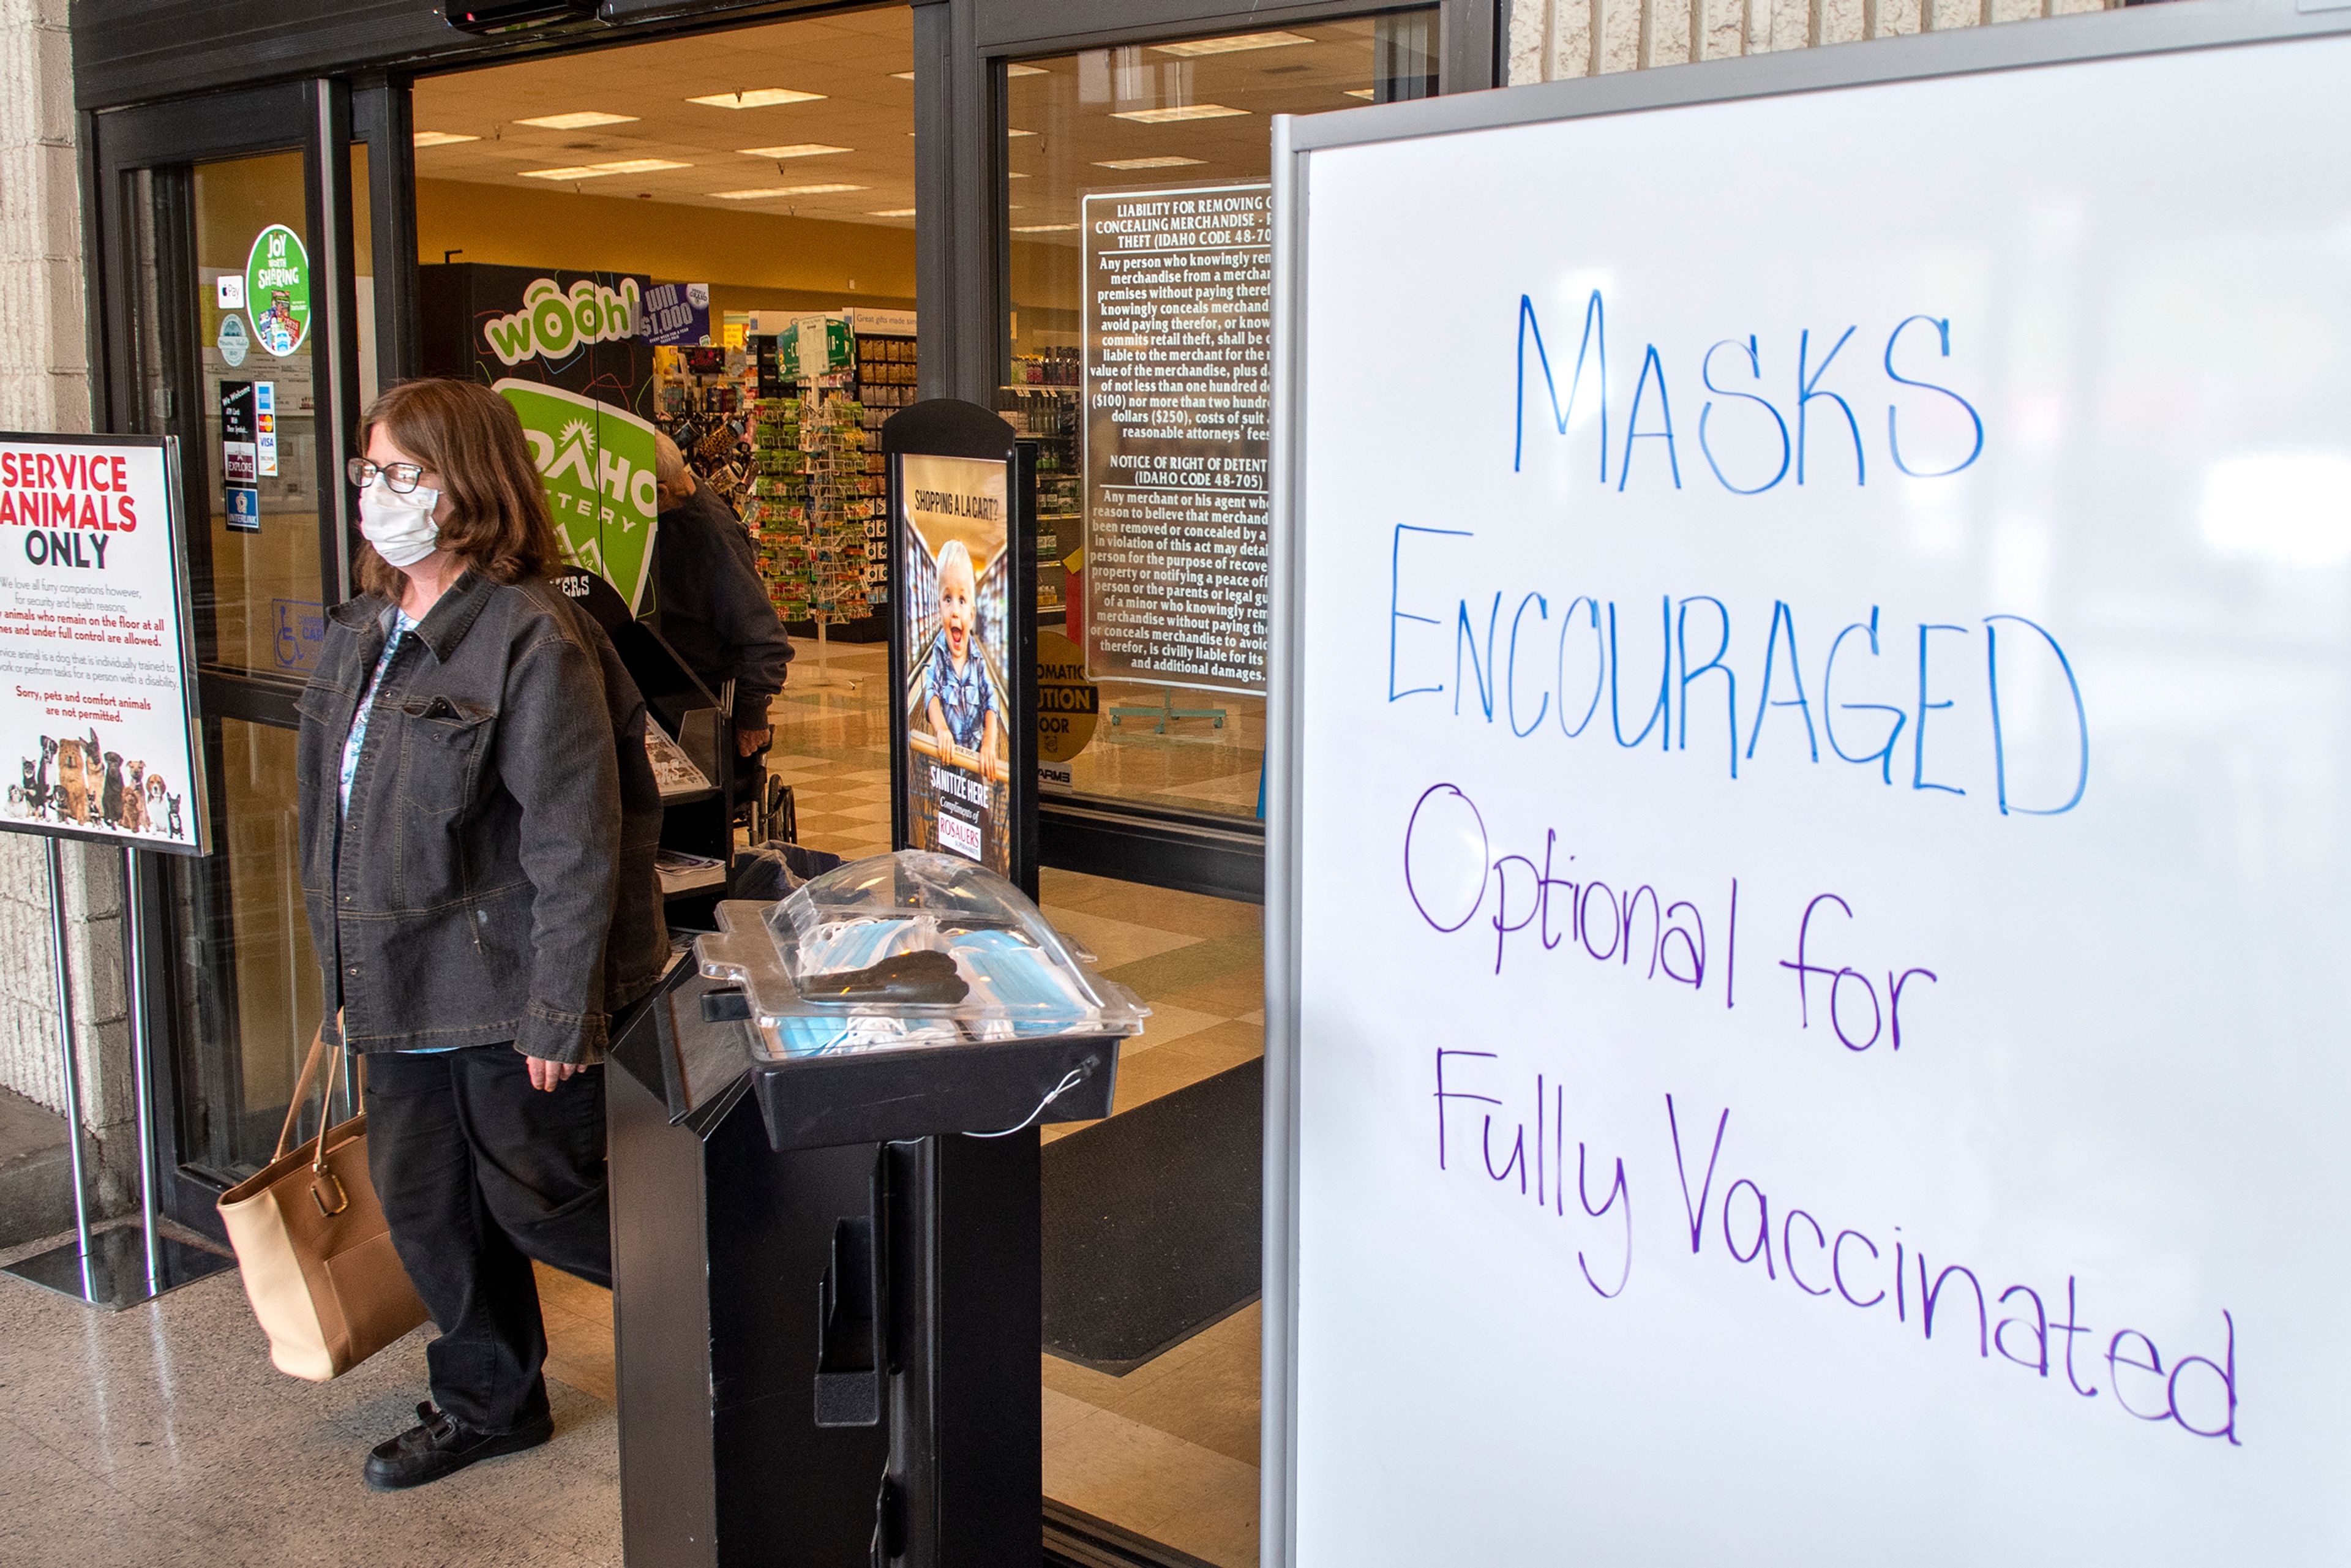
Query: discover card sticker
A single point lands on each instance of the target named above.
(97, 713)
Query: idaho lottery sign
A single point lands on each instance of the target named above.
(98, 712)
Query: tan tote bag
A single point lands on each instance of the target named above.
(311, 1241)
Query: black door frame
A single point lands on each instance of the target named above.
(962, 263)
(163, 143)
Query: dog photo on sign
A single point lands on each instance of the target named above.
(78, 782)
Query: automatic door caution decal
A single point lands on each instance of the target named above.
(1068, 706)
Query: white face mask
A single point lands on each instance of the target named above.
(401, 528)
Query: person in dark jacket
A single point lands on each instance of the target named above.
(478, 826)
(709, 603)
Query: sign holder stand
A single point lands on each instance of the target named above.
(127, 1264)
(946, 428)
(824, 677)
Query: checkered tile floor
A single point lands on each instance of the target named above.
(832, 747)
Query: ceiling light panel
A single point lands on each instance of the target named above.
(441, 138)
(758, 98)
(829, 66)
(1042, 228)
(795, 149)
(893, 213)
(595, 171)
(1174, 113)
(765, 192)
(1170, 161)
(578, 122)
(1234, 44)
(1361, 92)
(1008, 71)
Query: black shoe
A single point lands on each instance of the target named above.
(441, 1446)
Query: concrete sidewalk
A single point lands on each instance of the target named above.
(35, 1171)
(160, 1435)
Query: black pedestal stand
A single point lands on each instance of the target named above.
(826, 1303)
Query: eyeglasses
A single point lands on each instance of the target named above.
(401, 476)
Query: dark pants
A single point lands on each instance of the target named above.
(478, 1174)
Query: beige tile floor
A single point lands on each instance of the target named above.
(1195, 763)
(838, 759)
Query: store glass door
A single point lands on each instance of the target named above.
(1135, 231)
(230, 270)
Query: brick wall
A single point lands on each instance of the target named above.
(1550, 40)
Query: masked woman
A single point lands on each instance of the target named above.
(478, 829)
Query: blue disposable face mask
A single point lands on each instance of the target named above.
(399, 526)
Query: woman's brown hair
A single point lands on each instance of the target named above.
(471, 440)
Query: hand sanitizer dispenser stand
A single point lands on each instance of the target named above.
(826, 1251)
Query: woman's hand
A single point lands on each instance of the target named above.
(547, 1074)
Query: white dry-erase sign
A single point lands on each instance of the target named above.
(1812, 809)
(99, 727)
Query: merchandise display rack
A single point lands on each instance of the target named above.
(809, 506)
(1041, 404)
(883, 381)
(704, 400)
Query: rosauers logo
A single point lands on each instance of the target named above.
(552, 323)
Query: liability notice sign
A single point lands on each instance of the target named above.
(1179, 341)
(99, 734)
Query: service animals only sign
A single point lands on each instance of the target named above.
(597, 464)
(98, 709)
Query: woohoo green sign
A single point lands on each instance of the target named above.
(278, 289)
(596, 463)
(552, 323)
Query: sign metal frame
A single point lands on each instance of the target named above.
(197, 775)
(945, 428)
(2189, 25)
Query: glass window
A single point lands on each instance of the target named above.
(1141, 346)
(257, 569)
(363, 272)
(246, 982)
(1141, 252)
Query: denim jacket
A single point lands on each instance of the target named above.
(493, 879)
